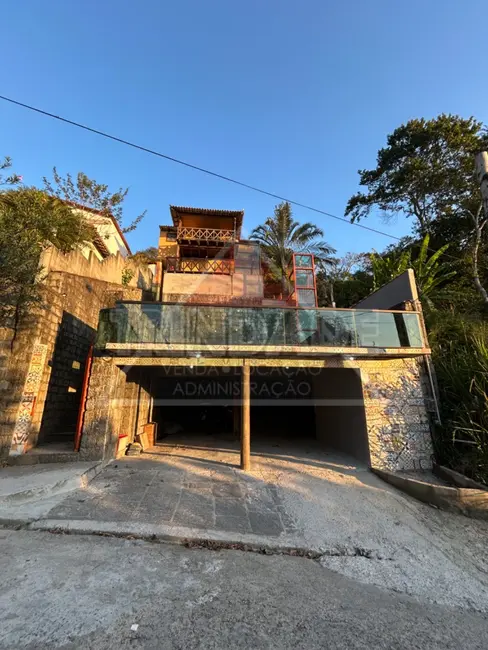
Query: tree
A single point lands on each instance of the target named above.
(13, 179)
(146, 256)
(344, 276)
(31, 221)
(280, 236)
(430, 272)
(426, 172)
(87, 193)
(387, 267)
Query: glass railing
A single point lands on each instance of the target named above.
(129, 323)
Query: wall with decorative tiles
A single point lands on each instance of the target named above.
(41, 374)
(395, 394)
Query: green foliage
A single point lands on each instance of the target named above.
(388, 267)
(30, 221)
(280, 236)
(87, 193)
(426, 171)
(430, 272)
(147, 256)
(12, 179)
(345, 281)
(460, 354)
(127, 275)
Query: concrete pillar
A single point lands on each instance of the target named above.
(246, 419)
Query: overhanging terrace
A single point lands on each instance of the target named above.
(164, 329)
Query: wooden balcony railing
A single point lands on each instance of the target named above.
(198, 265)
(205, 234)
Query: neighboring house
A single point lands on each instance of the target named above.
(41, 378)
(224, 352)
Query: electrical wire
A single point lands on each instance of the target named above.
(206, 171)
(195, 167)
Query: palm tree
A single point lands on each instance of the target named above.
(280, 236)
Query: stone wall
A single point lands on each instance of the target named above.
(13, 374)
(118, 404)
(103, 415)
(66, 326)
(395, 397)
(109, 269)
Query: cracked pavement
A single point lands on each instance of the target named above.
(296, 497)
(69, 592)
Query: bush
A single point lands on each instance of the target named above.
(460, 355)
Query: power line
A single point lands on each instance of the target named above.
(195, 167)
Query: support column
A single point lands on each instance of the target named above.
(246, 418)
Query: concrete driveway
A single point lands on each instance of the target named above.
(295, 497)
(77, 592)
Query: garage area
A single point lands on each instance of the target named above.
(292, 409)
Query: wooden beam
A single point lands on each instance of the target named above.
(246, 419)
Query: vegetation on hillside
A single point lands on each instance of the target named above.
(426, 171)
(87, 193)
(31, 221)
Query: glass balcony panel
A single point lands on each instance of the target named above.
(129, 323)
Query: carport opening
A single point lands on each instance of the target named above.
(300, 405)
(201, 406)
(197, 405)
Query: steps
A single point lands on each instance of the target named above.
(49, 452)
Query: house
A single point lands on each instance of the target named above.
(228, 351)
(41, 375)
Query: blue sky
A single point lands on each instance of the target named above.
(290, 96)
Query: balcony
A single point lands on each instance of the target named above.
(198, 265)
(156, 326)
(205, 235)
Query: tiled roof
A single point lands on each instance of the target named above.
(176, 211)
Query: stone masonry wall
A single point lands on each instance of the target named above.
(109, 269)
(13, 374)
(67, 326)
(395, 402)
(118, 404)
(102, 417)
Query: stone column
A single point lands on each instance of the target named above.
(102, 415)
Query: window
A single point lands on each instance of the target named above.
(304, 279)
(303, 261)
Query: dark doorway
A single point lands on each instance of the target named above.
(63, 398)
(199, 400)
